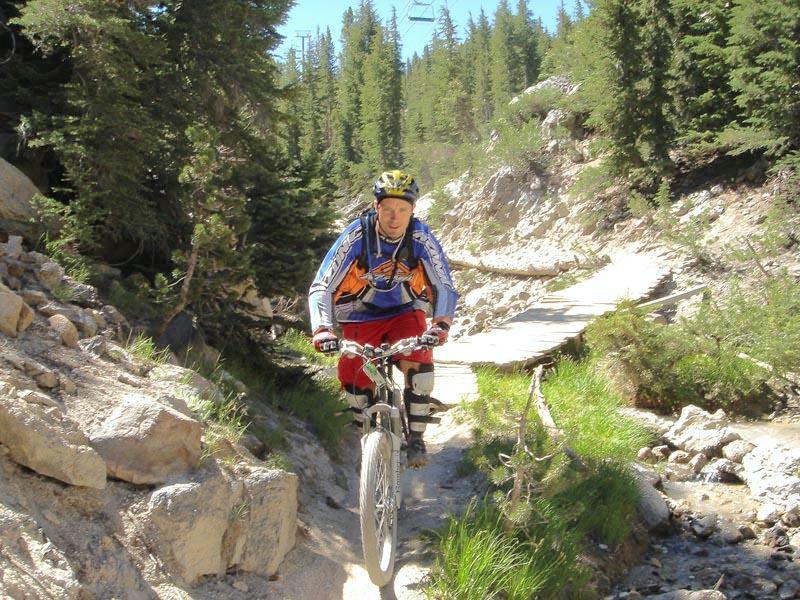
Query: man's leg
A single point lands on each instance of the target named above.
(417, 396)
(359, 391)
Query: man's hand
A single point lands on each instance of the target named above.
(325, 341)
(436, 335)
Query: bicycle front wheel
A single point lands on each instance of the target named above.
(378, 507)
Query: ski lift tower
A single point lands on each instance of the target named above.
(421, 11)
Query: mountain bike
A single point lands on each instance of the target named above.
(383, 455)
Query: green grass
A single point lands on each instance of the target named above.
(142, 346)
(563, 503)
(317, 401)
(226, 420)
(583, 404)
(65, 292)
(478, 559)
(297, 342)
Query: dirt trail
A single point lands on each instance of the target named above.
(327, 562)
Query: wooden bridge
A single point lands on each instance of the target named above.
(559, 317)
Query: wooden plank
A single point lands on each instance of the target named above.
(672, 299)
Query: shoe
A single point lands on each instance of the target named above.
(416, 452)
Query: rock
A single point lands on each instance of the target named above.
(680, 457)
(83, 293)
(35, 397)
(145, 442)
(15, 315)
(699, 431)
(675, 472)
(772, 472)
(96, 345)
(253, 444)
(85, 323)
(48, 380)
(791, 518)
(649, 475)
(199, 385)
(775, 537)
(67, 385)
(789, 589)
(206, 527)
(33, 297)
(736, 450)
(747, 532)
(35, 258)
(705, 526)
(661, 452)
(652, 507)
(112, 315)
(698, 461)
(16, 191)
(646, 455)
(769, 514)
(189, 520)
(12, 248)
(43, 439)
(728, 533)
(688, 595)
(270, 523)
(178, 333)
(67, 332)
(794, 540)
(722, 470)
(50, 275)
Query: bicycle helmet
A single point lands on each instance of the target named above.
(396, 184)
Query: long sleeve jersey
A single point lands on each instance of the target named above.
(365, 277)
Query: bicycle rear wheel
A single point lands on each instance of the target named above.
(378, 507)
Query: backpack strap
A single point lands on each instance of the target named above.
(367, 219)
(367, 237)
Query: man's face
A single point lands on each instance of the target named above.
(394, 214)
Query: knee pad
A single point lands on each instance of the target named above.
(421, 381)
(417, 398)
(358, 399)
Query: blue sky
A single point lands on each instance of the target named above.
(307, 15)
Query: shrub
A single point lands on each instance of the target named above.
(477, 558)
(707, 359)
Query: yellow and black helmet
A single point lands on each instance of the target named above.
(396, 184)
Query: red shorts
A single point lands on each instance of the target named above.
(377, 332)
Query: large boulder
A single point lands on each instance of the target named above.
(209, 526)
(188, 521)
(16, 191)
(146, 442)
(270, 497)
(15, 315)
(43, 439)
(697, 430)
(772, 472)
(652, 508)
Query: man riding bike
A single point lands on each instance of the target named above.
(380, 278)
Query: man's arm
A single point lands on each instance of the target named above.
(437, 270)
(329, 275)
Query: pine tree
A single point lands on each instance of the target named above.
(656, 132)
(764, 54)
(503, 64)
(482, 105)
(526, 46)
(451, 117)
(377, 101)
(704, 102)
(394, 141)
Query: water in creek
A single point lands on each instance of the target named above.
(713, 543)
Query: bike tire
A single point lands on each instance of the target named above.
(378, 508)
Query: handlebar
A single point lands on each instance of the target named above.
(407, 345)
